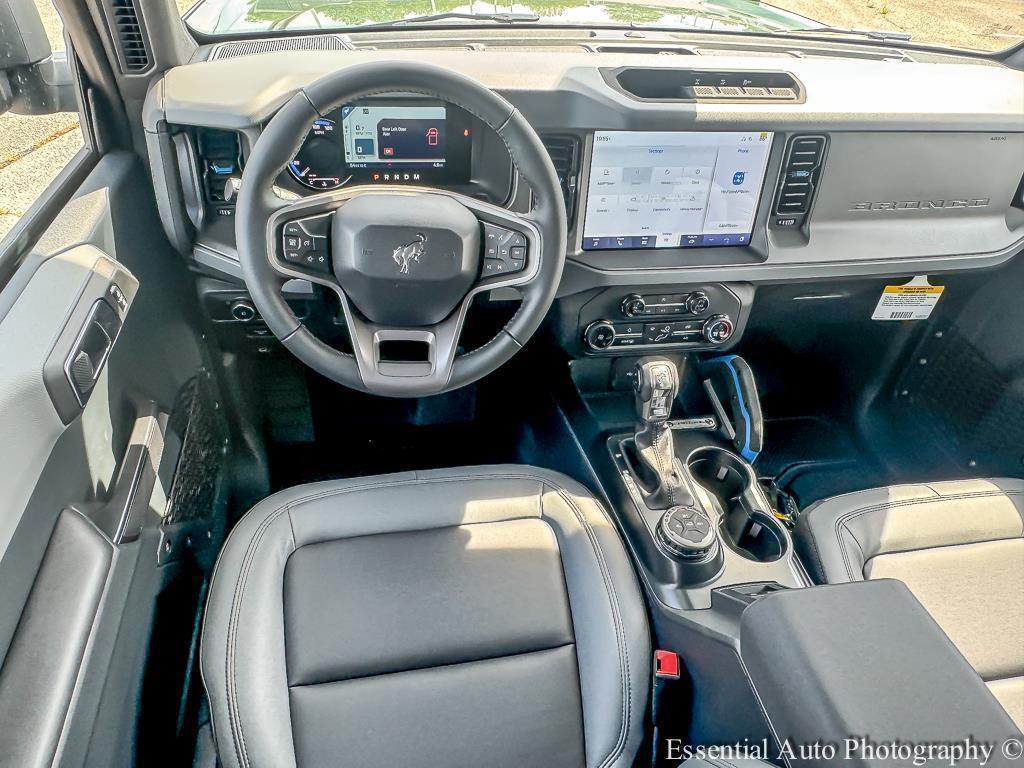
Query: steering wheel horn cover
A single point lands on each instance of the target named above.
(410, 266)
(436, 320)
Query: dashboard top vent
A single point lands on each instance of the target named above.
(131, 36)
(800, 174)
(650, 50)
(306, 43)
(565, 155)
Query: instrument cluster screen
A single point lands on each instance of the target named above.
(386, 142)
(674, 189)
(391, 136)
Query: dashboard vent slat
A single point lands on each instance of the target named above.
(131, 36)
(800, 173)
(565, 156)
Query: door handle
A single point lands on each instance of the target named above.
(91, 349)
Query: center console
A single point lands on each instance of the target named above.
(750, 650)
(683, 483)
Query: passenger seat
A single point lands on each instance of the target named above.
(958, 546)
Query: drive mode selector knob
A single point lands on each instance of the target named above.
(718, 329)
(633, 305)
(687, 533)
(599, 335)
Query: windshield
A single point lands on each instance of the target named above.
(972, 24)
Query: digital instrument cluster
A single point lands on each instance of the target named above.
(386, 142)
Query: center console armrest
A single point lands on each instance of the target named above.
(863, 660)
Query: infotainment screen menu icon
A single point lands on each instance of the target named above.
(673, 190)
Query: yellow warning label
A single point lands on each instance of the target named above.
(918, 289)
(913, 301)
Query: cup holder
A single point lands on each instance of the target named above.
(746, 525)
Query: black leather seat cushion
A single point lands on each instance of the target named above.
(480, 616)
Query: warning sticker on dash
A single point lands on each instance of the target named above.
(913, 301)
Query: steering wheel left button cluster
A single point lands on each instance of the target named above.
(505, 250)
(305, 243)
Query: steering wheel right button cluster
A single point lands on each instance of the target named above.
(505, 250)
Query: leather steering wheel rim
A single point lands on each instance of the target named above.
(281, 140)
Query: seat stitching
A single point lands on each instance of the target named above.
(236, 608)
(411, 481)
(996, 540)
(809, 535)
(375, 675)
(235, 718)
(624, 677)
(844, 520)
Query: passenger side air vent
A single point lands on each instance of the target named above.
(565, 155)
(220, 158)
(133, 46)
(800, 173)
(306, 43)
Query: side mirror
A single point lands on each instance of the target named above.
(33, 79)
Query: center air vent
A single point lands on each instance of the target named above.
(800, 173)
(565, 153)
(133, 46)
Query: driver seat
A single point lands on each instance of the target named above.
(442, 619)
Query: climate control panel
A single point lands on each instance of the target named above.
(699, 318)
(663, 304)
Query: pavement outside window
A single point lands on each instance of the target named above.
(985, 25)
(34, 148)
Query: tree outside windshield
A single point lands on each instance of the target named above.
(987, 25)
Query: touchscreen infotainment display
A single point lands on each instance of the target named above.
(673, 189)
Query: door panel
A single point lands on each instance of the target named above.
(101, 312)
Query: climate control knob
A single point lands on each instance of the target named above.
(599, 335)
(633, 305)
(718, 329)
(698, 303)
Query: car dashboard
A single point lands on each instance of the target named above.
(686, 186)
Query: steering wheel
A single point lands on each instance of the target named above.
(405, 263)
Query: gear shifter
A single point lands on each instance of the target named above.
(657, 384)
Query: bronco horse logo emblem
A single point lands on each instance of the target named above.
(404, 255)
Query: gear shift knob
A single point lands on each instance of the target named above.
(657, 384)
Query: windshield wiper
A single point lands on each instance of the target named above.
(498, 18)
(874, 34)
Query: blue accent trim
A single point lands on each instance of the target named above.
(726, 360)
